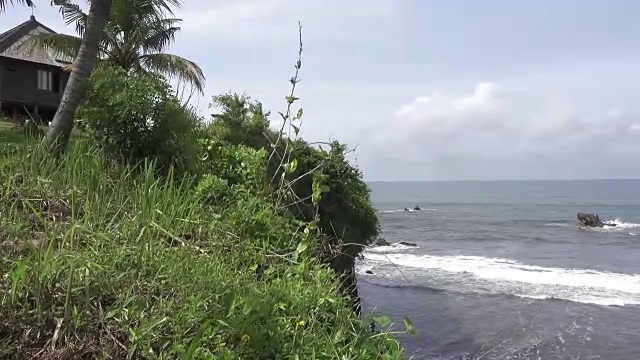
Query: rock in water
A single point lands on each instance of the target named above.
(381, 242)
(407, 243)
(590, 220)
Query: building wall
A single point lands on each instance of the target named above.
(1, 73)
(19, 83)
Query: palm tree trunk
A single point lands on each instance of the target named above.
(60, 129)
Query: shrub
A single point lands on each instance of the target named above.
(343, 213)
(346, 213)
(135, 117)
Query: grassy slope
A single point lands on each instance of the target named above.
(8, 135)
(98, 262)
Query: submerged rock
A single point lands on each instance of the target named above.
(369, 272)
(408, 243)
(592, 220)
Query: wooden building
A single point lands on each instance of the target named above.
(32, 80)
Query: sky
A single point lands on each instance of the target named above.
(432, 90)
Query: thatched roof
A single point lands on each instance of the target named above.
(12, 44)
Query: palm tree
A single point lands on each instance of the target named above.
(134, 38)
(59, 131)
(58, 134)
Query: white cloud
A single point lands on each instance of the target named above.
(505, 129)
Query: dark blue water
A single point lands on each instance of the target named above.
(502, 271)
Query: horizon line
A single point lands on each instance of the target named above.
(502, 180)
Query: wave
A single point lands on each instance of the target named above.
(475, 274)
(558, 224)
(394, 247)
(619, 224)
(403, 210)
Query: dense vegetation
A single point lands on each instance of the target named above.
(160, 235)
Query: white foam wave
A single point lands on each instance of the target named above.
(395, 247)
(587, 299)
(508, 276)
(403, 210)
(558, 224)
(619, 224)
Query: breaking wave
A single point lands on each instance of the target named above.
(394, 247)
(475, 274)
(619, 224)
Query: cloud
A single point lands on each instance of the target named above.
(235, 21)
(506, 130)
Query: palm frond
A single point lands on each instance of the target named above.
(60, 45)
(175, 66)
(164, 5)
(72, 14)
(158, 35)
(5, 3)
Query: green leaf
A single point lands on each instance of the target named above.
(302, 247)
(299, 114)
(292, 99)
(17, 276)
(293, 165)
(296, 129)
(409, 325)
(382, 320)
(223, 323)
(195, 342)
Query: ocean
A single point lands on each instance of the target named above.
(501, 270)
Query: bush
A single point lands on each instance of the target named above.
(320, 186)
(135, 117)
(347, 216)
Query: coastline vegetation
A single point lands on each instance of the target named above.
(159, 234)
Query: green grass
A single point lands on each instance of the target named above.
(98, 261)
(10, 133)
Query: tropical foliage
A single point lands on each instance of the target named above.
(140, 121)
(135, 37)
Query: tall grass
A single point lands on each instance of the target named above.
(104, 261)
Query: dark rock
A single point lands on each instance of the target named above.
(381, 242)
(417, 208)
(369, 272)
(592, 220)
(406, 209)
(344, 265)
(407, 243)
